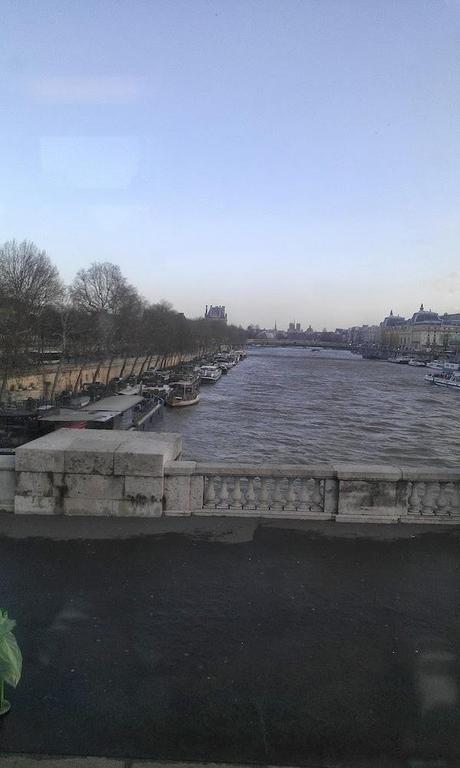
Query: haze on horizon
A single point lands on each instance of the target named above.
(296, 160)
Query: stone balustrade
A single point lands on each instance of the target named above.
(301, 490)
(340, 492)
(140, 474)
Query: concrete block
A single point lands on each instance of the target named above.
(359, 498)
(138, 457)
(36, 505)
(7, 486)
(93, 486)
(7, 463)
(177, 494)
(46, 454)
(265, 470)
(138, 507)
(148, 487)
(387, 472)
(196, 492)
(430, 474)
(89, 507)
(35, 484)
(92, 452)
(180, 468)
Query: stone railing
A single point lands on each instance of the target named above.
(140, 474)
(341, 492)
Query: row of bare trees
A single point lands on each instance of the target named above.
(99, 316)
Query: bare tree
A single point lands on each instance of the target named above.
(28, 279)
(101, 288)
(29, 283)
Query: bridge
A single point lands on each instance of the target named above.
(293, 610)
(140, 474)
(297, 343)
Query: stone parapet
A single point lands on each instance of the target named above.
(7, 483)
(340, 492)
(140, 474)
(92, 472)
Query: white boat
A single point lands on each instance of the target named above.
(417, 363)
(443, 365)
(183, 393)
(400, 359)
(433, 377)
(452, 381)
(209, 374)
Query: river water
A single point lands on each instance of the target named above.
(295, 406)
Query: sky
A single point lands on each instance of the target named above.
(292, 160)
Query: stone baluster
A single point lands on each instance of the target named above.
(443, 500)
(277, 501)
(223, 495)
(210, 498)
(331, 496)
(453, 498)
(303, 495)
(290, 503)
(250, 495)
(414, 502)
(316, 499)
(263, 493)
(429, 498)
(236, 500)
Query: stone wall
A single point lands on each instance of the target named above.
(140, 474)
(7, 483)
(42, 382)
(94, 472)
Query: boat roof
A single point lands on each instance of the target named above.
(116, 403)
(183, 383)
(69, 416)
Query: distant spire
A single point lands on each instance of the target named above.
(391, 313)
(421, 308)
(275, 326)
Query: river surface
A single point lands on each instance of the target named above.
(297, 406)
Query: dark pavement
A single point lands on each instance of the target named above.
(283, 649)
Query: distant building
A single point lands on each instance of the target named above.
(424, 331)
(215, 313)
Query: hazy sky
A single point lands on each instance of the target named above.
(292, 160)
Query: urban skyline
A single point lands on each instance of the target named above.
(290, 159)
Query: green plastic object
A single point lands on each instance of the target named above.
(10, 659)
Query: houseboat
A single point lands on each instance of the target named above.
(183, 393)
(209, 374)
(115, 412)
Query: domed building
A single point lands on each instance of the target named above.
(425, 331)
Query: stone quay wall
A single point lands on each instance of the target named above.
(140, 474)
(56, 378)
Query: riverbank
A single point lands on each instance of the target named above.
(53, 379)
